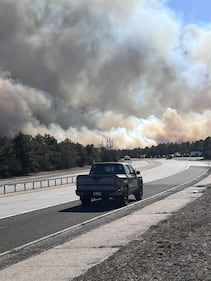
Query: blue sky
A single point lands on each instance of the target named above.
(192, 11)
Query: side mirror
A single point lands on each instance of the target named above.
(137, 172)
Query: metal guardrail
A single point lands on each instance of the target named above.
(36, 184)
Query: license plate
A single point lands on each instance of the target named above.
(97, 193)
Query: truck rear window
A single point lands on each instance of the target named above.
(109, 169)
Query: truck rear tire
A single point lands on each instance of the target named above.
(85, 200)
(123, 200)
(139, 193)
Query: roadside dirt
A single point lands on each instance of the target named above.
(177, 249)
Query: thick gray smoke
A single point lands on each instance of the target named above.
(89, 70)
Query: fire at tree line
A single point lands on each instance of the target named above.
(25, 155)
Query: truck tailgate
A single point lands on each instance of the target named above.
(87, 182)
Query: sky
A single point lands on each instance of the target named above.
(135, 72)
(192, 11)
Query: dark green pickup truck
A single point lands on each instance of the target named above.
(109, 180)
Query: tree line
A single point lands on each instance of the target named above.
(183, 149)
(25, 154)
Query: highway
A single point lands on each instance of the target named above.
(31, 216)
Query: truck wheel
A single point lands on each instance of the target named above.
(138, 194)
(124, 198)
(85, 200)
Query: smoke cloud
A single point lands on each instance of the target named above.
(89, 70)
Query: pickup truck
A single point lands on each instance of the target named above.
(109, 180)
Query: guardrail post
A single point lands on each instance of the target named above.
(24, 184)
(4, 189)
(48, 183)
(15, 187)
(33, 185)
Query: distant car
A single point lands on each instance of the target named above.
(169, 156)
(126, 157)
(186, 155)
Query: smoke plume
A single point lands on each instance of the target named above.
(89, 70)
